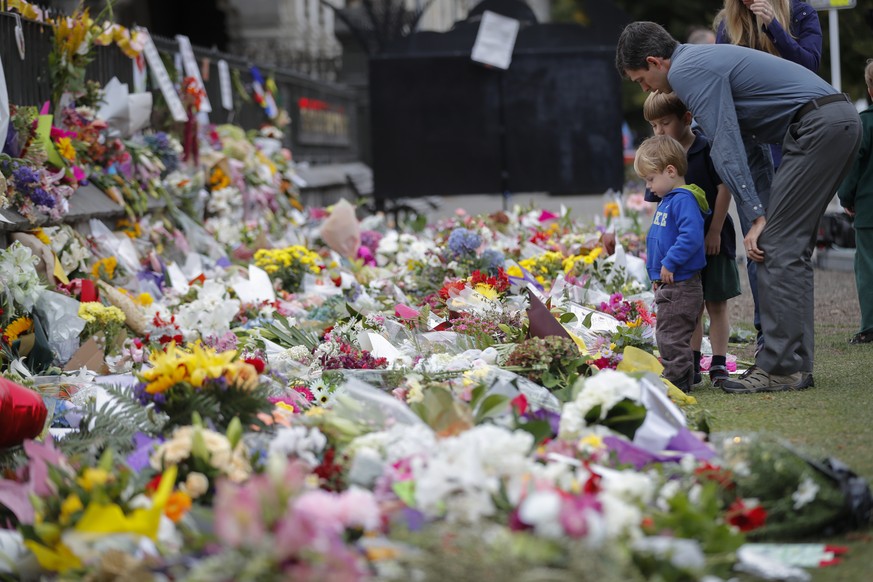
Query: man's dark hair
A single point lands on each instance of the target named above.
(639, 40)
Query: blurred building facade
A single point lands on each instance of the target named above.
(297, 34)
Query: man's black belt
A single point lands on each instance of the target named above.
(816, 103)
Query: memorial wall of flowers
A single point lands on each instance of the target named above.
(230, 386)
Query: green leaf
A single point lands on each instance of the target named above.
(593, 415)
(549, 380)
(568, 317)
(540, 429)
(491, 406)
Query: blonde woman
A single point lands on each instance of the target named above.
(786, 28)
(761, 25)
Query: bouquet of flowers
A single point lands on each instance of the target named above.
(64, 512)
(797, 496)
(276, 527)
(203, 456)
(552, 361)
(34, 190)
(289, 265)
(102, 322)
(609, 398)
(216, 385)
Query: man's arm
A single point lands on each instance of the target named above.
(709, 97)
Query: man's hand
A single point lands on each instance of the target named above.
(751, 240)
(712, 242)
(850, 211)
(666, 276)
(608, 242)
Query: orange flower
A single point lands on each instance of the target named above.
(177, 505)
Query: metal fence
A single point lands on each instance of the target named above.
(324, 122)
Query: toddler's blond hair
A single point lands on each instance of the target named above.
(658, 152)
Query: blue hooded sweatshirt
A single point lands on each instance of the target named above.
(675, 239)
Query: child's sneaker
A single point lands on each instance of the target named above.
(717, 375)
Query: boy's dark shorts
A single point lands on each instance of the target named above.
(721, 279)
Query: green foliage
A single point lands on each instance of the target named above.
(553, 362)
(283, 333)
(624, 418)
(698, 520)
(218, 405)
(111, 426)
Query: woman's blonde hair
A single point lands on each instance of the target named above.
(656, 153)
(743, 28)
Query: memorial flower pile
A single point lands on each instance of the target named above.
(287, 408)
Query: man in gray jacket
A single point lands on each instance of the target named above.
(744, 99)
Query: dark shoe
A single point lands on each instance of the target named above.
(807, 381)
(698, 379)
(864, 337)
(718, 375)
(757, 380)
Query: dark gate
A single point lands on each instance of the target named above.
(443, 124)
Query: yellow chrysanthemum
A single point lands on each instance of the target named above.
(145, 299)
(105, 266)
(611, 210)
(486, 290)
(66, 149)
(514, 271)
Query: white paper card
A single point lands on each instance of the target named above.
(159, 71)
(189, 62)
(177, 278)
(495, 40)
(140, 111)
(256, 288)
(378, 346)
(224, 83)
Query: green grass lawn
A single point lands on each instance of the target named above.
(833, 419)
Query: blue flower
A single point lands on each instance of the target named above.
(492, 260)
(463, 243)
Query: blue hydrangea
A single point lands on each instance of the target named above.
(492, 259)
(463, 243)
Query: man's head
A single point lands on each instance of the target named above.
(643, 55)
(667, 115)
(661, 162)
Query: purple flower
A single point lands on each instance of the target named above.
(144, 444)
(370, 239)
(24, 176)
(42, 198)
